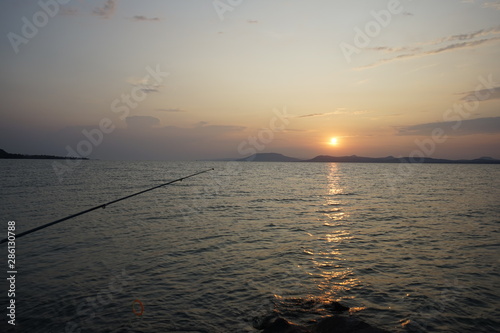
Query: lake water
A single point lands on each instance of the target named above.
(409, 249)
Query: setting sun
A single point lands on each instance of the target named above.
(334, 141)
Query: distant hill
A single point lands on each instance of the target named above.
(353, 159)
(269, 157)
(275, 157)
(392, 159)
(6, 155)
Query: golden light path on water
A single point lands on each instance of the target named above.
(327, 268)
(336, 278)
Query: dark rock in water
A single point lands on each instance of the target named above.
(280, 325)
(304, 308)
(275, 324)
(339, 324)
(336, 307)
(335, 324)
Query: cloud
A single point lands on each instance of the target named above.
(138, 18)
(488, 94)
(450, 47)
(315, 115)
(205, 127)
(463, 127)
(462, 45)
(339, 111)
(202, 123)
(68, 11)
(142, 122)
(144, 85)
(467, 40)
(360, 82)
(171, 110)
(472, 35)
(107, 10)
(420, 68)
(252, 21)
(221, 128)
(393, 49)
(494, 5)
(149, 90)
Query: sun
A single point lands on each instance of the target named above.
(334, 141)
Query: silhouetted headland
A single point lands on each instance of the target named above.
(6, 155)
(269, 157)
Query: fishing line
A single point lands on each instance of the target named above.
(24, 233)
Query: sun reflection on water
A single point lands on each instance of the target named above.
(328, 275)
(334, 279)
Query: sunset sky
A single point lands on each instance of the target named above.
(186, 79)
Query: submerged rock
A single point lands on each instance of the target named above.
(275, 324)
(336, 307)
(300, 307)
(335, 324)
(341, 324)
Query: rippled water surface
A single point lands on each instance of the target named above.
(418, 253)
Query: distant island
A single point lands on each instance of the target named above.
(275, 157)
(6, 155)
(269, 157)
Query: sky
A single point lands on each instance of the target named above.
(189, 80)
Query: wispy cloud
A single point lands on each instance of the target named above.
(139, 18)
(463, 45)
(339, 111)
(142, 122)
(310, 115)
(144, 84)
(107, 10)
(463, 37)
(464, 127)
(420, 68)
(458, 41)
(150, 89)
(252, 21)
(387, 49)
(68, 11)
(171, 110)
(360, 82)
(494, 5)
(493, 93)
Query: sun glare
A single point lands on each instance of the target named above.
(334, 141)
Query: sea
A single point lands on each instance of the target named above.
(407, 247)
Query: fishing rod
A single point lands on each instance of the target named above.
(101, 206)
